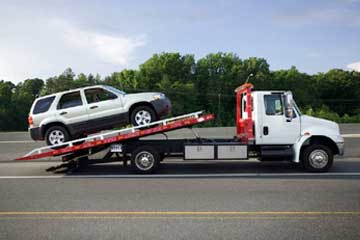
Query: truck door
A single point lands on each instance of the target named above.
(275, 127)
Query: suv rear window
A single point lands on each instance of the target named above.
(43, 105)
(70, 100)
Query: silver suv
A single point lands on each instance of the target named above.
(72, 114)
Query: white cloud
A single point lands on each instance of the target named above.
(354, 66)
(117, 50)
(43, 47)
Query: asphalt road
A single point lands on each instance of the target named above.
(180, 209)
(232, 200)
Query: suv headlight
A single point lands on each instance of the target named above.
(159, 96)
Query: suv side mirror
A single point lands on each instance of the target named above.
(289, 106)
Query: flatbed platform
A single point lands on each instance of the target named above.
(118, 136)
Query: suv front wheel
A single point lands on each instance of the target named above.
(142, 115)
(56, 135)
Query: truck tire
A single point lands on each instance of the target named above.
(56, 135)
(145, 160)
(142, 115)
(317, 158)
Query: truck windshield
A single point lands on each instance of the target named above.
(297, 108)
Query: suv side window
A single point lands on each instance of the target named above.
(43, 105)
(70, 100)
(273, 104)
(98, 95)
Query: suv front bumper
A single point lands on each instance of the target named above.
(162, 106)
(36, 133)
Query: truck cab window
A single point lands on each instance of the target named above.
(273, 104)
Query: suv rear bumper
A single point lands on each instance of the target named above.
(36, 133)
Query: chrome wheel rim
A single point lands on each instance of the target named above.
(144, 160)
(56, 137)
(318, 158)
(142, 117)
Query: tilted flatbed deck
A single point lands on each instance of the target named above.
(104, 140)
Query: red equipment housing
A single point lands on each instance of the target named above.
(244, 123)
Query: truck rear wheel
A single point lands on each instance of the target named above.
(317, 158)
(145, 160)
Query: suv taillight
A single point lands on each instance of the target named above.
(30, 120)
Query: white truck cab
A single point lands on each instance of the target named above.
(272, 126)
(280, 130)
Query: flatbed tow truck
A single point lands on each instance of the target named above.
(269, 127)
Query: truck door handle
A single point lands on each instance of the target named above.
(63, 113)
(93, 107)
(266, 130)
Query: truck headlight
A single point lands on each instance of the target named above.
(159, 96)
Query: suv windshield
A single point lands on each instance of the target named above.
(115, 90)
(43, 105)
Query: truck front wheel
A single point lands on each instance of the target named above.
(317, 158)
(145, 160)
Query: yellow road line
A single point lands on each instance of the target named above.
(183, 213)
(161, 217)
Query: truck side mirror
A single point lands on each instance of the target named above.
(289, 106)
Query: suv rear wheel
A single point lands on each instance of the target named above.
(142, 115)
(56, 135)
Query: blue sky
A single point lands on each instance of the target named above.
(42, 38)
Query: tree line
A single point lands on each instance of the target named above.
(204, 84)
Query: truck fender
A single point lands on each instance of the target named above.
(297, 147)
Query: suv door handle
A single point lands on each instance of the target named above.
(93, 107)
(63, 113)
(266, 130)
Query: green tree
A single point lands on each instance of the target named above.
(172, 74)
(339, 90)
(218, 75)
(126, 80)
(166, 65)
(64, 81)
(6, 106)
(207, 84)
(301, 84)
